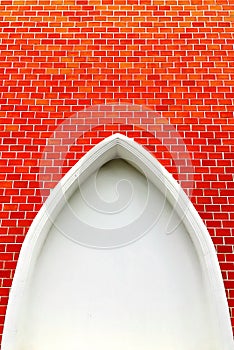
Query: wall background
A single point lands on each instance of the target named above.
(73, 72)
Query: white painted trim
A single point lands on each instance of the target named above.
(119, 146)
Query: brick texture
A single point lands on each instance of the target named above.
(169, 67)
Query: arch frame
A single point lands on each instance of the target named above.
(120, 146)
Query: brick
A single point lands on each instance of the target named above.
(57, 60)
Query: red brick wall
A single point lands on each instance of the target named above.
(60, 57)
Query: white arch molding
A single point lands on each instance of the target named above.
(198, 303)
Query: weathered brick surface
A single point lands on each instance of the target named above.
(60, 57)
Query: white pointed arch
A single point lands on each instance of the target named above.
(119, 146)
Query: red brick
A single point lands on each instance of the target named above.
(173, 61)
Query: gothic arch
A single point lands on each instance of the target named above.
(118, 146)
